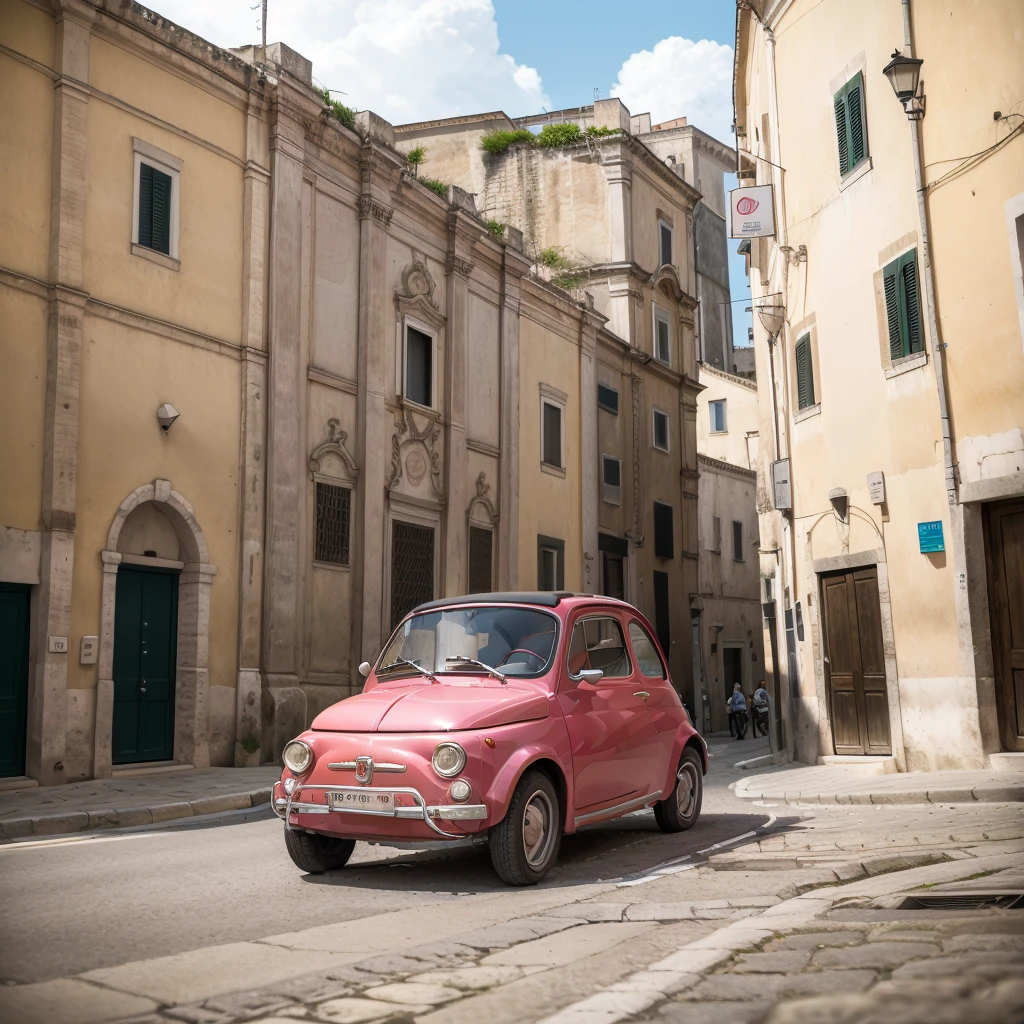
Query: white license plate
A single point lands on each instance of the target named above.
(355, 800)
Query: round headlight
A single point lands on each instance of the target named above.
(298, 756)
(460, 791)
(449, 759)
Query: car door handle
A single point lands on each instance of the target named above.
(642, 693)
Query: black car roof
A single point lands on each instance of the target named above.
(545, 598)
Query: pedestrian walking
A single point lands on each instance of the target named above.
(737, 705)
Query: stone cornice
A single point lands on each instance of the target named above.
(732, 378)
(718, 466)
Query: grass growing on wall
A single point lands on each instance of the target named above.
(346, 115)
(415, 158)
(551, 136)
(436, 186)
(497, 229)
(568, 275)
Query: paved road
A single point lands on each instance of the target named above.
(95, 902)
(215, 925)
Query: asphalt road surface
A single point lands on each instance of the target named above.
(72, 906)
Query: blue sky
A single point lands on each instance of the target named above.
(411, 60)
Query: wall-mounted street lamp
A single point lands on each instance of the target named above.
(904, 74)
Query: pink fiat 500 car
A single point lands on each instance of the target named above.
(506, 718)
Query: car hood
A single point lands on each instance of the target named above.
(438, 707)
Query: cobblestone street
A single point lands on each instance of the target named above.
(762, 913)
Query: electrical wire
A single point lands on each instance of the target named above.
(970, 162)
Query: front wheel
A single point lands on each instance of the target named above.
(315, 853)
(524, 844)
(681, 809)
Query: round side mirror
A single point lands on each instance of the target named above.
(364, 669)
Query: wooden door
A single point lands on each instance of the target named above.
(855, 663)
(145, 646)
(13, 677)
(1004, 554)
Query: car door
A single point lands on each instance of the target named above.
(664, 709)
(605, 718)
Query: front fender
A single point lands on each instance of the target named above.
(499, 796)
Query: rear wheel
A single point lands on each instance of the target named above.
(681, 809)
(315, 853)
(524, 844)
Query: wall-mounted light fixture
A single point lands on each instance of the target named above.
(840, 502)
(167, 414)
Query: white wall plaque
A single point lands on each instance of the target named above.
(876, 487)
(782, 494)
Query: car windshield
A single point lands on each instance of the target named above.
(515, 641)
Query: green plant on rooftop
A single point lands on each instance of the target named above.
(497, 229)
(568, 275)
(553, 136)
(337, 109)
(596, 131)
(498, 141)
(555, 258)
(436, 186)
(415, 158)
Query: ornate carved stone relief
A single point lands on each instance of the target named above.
(416, 297)
(415, 451)
(369, 206)
(336, 444)
(482, 498)
(456, 264)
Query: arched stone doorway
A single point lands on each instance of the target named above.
(155, 528)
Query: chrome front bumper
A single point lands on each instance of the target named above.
(284, 807)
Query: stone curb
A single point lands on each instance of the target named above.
(762, 761)
(686, 967)
(965, 795)
(65, 822)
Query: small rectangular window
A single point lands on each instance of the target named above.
(804, 373)
(662, 343)
(333, 523)
(611, 478)
(716, 535)
(608, 399)
(665, 242)
(661, 434)
(664, 540)
(550, 563)
(481, 550)
(154, 209)
(851, 124)
(419, 353)
(718, 420)
(902, 306)
(552, 440)
(737, 540)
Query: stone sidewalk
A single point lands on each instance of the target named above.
(134, 800)
(836, 784)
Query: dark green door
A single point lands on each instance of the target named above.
(145, 641)
(13, 677)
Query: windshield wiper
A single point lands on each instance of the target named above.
(459, 659)
(412, 664)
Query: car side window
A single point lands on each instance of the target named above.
(645, 651)
(598, 643)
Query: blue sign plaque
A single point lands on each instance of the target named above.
(929, 536)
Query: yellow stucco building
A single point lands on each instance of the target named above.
(890, 359)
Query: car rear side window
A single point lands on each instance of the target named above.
(645, 651)
(598, 643)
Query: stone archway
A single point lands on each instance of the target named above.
(191, 729)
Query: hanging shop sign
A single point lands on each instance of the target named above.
(753, 212)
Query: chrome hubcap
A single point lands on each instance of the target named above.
(538, 830)
(686, 789)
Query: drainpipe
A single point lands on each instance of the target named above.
(929, 284)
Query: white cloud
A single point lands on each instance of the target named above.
(681, 78)
(407, 60)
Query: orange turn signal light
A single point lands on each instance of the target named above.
(489, 742)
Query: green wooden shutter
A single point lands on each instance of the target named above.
(146, 206)
(890, 276)
(855, 120)
(162, 212)
(912, 305)
(841, 134)
(804, 373)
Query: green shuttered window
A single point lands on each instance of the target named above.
(804, 373)
(851, 124)
(154, 209)
(903, 306)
